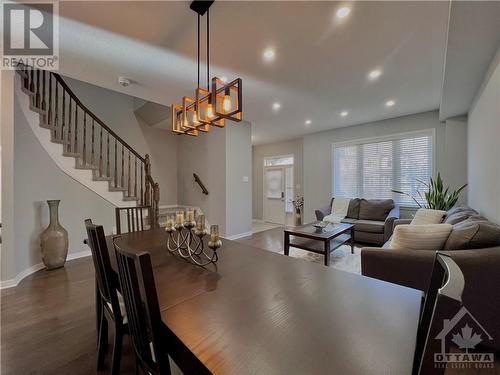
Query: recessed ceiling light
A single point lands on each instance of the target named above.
(374, 74)
(343, 12)
(344, 113)
(308, 122)
(276, 106)
(269, 54)
(390, 103)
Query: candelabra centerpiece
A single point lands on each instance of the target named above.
(185, 237)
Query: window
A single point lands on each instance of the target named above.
(371, 168)
(278, 160)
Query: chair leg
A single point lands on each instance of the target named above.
(102, 344)
(117, 351)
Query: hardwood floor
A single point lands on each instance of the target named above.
(48, 320)
(48, 324)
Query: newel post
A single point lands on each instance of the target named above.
(156, 205)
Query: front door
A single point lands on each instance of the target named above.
(274, 194)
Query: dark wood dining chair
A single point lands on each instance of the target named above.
(442, 301)
(141, 302)
(137, 218)
(109, 302)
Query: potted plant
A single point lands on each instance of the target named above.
(436, 196)
(298, 204)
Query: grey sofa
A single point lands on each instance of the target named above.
(474, 244)
(373, 219)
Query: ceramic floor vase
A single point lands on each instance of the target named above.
(54, 239)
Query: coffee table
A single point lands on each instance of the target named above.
(319, 241)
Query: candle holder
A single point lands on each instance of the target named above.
(186, 238)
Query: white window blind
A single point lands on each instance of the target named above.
(370, 169)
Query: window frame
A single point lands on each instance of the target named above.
(431, 132)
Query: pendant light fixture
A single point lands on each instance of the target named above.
(213, 105)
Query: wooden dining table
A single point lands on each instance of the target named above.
(259, 312)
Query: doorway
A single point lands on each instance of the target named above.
(278, 189)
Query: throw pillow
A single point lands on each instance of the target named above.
(421, 237)
(428, 216)
(375, 209)
(474, 233)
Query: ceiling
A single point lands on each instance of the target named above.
(321, 63)
(473, 39)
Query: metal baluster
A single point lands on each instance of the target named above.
(100, 154)
(135, 177)
(32, 82)
(92, 150)
(69, 125)
(26, 78)
(37, 95)
(75, 145)
(63, 113)
(56, 111)
(84, 152)
(142, 185)
(116, 164)
(49, 113)
(128, 183)
(123, 166)
(107, 157)
(43, 106)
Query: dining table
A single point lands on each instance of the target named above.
(260, 312)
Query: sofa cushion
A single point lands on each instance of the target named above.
(457, 209)
(428, 216)
(473, 233)
(420, 237)
(347, 220)
(370, 226)
(457, 217)
(353, 211)
(375, 209)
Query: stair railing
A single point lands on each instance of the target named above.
(87, 138)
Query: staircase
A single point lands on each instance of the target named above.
(90, 142)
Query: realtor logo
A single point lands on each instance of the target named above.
(30, 34)
(465, 332)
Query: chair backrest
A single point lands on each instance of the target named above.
(105, 276)
(135, 218)
(143, 312)
(442, 301)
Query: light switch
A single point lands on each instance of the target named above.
(245, 178)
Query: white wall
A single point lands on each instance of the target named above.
(220, 158)
(484, 146)
(259, 153)
(204, 155)
(318, 153)
(8, 260)
(117, 112)
(238, 179)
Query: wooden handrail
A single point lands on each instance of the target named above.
(199, 182)
(97, 119)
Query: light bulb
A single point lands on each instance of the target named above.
(195, 119)
(210, 111)
(226, 103)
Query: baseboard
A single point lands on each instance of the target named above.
(80, 254)
(240, 235)
(37, 267)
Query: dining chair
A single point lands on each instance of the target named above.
(135, 218)
(442, 301)
(109, 301)
(135, 273)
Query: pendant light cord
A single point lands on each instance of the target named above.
(208, 49)
(198, 86)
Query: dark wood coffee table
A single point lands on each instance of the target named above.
(307, 237)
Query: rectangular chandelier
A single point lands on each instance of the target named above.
(212, 106)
